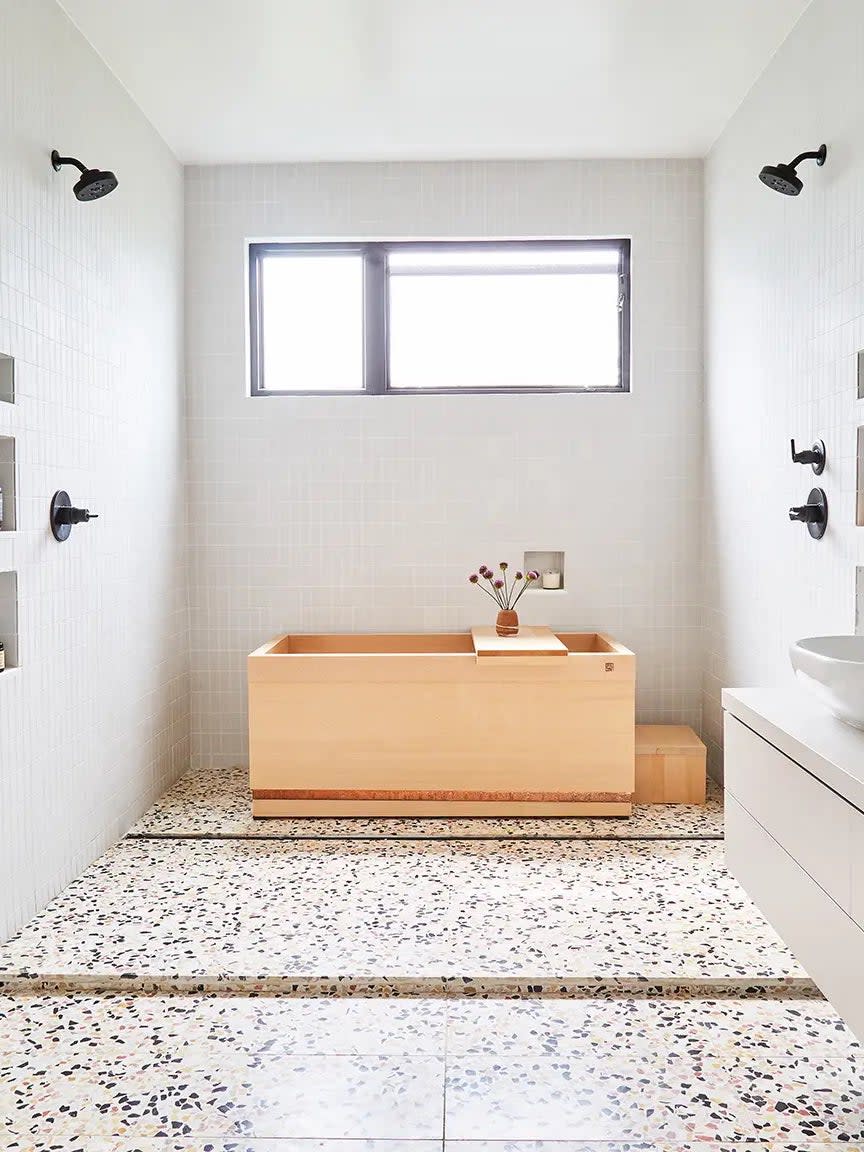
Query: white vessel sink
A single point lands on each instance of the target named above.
(832, 668)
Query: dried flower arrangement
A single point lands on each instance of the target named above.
(506, 595)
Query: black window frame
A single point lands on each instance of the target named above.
(376, 356)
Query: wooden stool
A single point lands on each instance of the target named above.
(670, 765)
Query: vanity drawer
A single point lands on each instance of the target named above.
(814, 825)
(823, 939)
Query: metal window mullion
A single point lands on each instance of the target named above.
(624, 318)
(256, 328)
(375, 319)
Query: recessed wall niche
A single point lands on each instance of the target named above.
(7, 379)
(546, 561)
(9, 618)
(7, 483)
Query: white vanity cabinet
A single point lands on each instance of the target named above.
(794, 779)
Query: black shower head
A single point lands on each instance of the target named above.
(93, 183)
(781, 178)
(784, 179)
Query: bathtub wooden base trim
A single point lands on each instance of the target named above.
(347, 809)
(518, 797)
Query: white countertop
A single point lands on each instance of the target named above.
(807, 733)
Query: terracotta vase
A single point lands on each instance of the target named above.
(507, 623)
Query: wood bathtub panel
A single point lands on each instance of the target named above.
(438, 669)
(477, 736)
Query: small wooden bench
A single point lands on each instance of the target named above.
(670, 765)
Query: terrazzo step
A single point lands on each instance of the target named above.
(398, 918)
(216, 803)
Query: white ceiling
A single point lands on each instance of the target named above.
(269, 80)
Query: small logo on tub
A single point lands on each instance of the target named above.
(610, 665)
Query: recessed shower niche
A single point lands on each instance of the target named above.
(550, 564)
(9, 619)
(8, 519)
(7, 379)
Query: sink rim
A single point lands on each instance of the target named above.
(808, 645)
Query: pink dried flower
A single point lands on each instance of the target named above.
(533, 576)
(503, 565)
(519, 576)
(473, 578)
(486, 574)
(498, 583)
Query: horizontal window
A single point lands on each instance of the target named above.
(491, 316)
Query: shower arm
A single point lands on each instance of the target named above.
(58, 161)
(818, 156)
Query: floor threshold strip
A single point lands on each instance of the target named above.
(265, 837)
(407, 987)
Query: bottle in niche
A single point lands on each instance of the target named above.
(2, 657)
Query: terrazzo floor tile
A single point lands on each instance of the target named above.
(663, 1073)
(671, 1070)
(124, 1144)
(54, 1028)
(176, 916)
(368, 1097)
(638, 1146)
(738, 1030)
(215, 803)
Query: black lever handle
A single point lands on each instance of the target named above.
(814, 456)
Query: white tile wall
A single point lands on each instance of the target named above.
(785, 319)
(95, 723)
(364, 513)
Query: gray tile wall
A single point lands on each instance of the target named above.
(94, 724)
(785, 321)
(366, 513)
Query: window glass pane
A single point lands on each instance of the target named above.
(428, 260)
(504, 330)
(312, 322)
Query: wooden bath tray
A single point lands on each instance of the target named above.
(526, 642)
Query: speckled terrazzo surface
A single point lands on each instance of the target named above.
(400, 917)
(216, 803)
(117, 1073)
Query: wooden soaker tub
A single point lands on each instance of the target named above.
(456, 724)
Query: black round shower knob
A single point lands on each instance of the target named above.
(63, 515)
(814, 513)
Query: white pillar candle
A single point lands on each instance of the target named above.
(551, 579)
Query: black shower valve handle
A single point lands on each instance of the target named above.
(63, 515)
(814, 456)
(814, 513)
(75, 515)
(806, 513)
